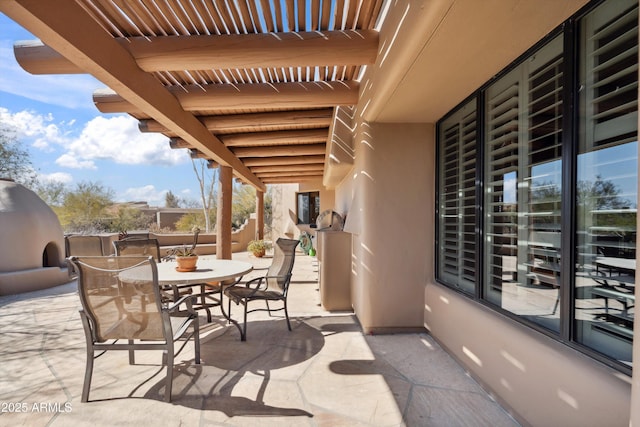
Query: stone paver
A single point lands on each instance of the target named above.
(323, 373)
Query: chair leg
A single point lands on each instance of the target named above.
(244, 325)
(169, 379)
(87, 375)
(196, 340)
(88, 372)
(132, 357)
(286, 314)
(268, 308)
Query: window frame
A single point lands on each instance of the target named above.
(570, 31)
(311, 197)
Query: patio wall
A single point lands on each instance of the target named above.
(543, 382)
(390, 199)
(284, 222)
(389, 223)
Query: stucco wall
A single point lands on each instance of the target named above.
(387, 196)
(545, 382)
(284, 207)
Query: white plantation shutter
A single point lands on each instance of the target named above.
(610, 76)
(457, 166)
(523, 175)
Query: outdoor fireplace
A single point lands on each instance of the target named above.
(31, 242)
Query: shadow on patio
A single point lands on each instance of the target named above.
(324, 372)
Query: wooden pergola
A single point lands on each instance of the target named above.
(249, 85)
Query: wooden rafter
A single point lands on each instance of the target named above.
(233, 123)
(203, 52)
(244, 96)
(253, 86)
(98, 53)
(297, 150)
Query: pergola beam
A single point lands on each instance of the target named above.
(284, 160)
(297, 150)
(205, 52)
(264, 175)
(283, 137)
(315, 167)
(291, 179)
(98, 53)
(232, 97)
(234, 123)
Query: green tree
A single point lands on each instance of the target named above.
(207, 182)
(244, 204)
(84, 209)
(52, 192)
(129, 219)
(171, 200)
(194, 219)
(15, 162)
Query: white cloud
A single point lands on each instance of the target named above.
(115, 139)
(118, 139)
(37, 127)
(70, 91)
(62, 177)
(71, 162)
(147, 193)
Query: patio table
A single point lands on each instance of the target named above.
(208, 270)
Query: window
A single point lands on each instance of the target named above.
(457, 175)
(308, 207)
(523, 170)
(542, 226)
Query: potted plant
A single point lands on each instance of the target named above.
(186, 259)
(258, 247)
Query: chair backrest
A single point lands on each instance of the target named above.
(84, 245)
(136, 246)
(284, 254)
(121, 298)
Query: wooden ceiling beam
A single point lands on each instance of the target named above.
(288, 168)
(206, 52)
(244, 96)
(291, 179)
(95, 51)
(234, 123)
(284, 160)
(282, 137)
(292, 150)
(264, 175)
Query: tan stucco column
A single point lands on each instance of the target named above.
(223, 222)
(260, 214)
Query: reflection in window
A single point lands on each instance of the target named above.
(532, 200)
(523, 191)
(607, 193)
(308, 207)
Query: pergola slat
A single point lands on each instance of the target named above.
(262, 77)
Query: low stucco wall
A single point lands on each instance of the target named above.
(103, 243)
(543, 381)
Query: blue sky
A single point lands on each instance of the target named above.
(70, 141)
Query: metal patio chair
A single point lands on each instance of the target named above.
(121, 302)
(273, 286)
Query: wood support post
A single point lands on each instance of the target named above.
(260, 214)
(223, 223)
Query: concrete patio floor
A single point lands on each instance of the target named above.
(323, 373)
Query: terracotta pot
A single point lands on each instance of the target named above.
(186, 263)
(259, 254)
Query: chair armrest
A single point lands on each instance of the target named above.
(187, 300)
